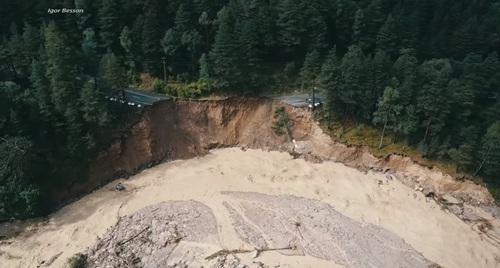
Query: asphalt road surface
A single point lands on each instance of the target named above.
(299, 100)
(136, 97)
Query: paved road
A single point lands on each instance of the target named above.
(299, 100)
(137, 98)
(144, 98)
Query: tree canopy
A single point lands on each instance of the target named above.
(427, 72)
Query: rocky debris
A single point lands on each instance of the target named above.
(228, 261)
(148, 237)
(119, 187)
(317, 229)
(183, 129)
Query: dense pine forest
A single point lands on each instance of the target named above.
(425, 71)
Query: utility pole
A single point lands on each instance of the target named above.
(164, 60)
(314, 98)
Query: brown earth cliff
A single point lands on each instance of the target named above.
(181, 129)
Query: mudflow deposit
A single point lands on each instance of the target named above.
(226, 191)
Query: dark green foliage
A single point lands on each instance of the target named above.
(93, 110)
(151, 35)
(433, 103)
(310, 69)
(329, 80)
(490, 151)
(112, 72)
(388, 110)
(77, 261)
(355, 87)
(282, 123)
(109, 22)
(428, 71)
(18, 197)
(387, 37)
(225, 52)
(204, 72)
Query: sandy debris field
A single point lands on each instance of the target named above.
(252, 208)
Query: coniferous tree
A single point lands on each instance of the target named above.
(310, 69)
(380, 71)
(19, 197)
(31, 43)
(359, 30)
(91, 105)
(374, 18)
(355, 87)
(60, 70)
(291, 24)
(433, 103)
(112, 72)
(329, 80)
(41, 89)
(465, 154)
(388, 38)
(131, 54)
(204, 72)
(90, 50)
(109, 22)
(388, 109)
(490, 151)
(224, 53)
(344, 21)
(151, 36)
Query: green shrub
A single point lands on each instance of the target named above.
(77, 261)
(282, 124)
(189, 90)
(159, 86)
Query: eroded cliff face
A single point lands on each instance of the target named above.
(178, 129)
(184, 129)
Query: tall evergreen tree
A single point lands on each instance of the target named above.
(109, 22)
(91, 105)
(329, 80)
(151, 36)
(90, 50)
(433, 102)
(112, 72)
(490, 151)
(388, 37)
(310, 69)
(60, 70)
(291, 24)
(204, 72)
(355, 87)
(224, 53)
(388, 109)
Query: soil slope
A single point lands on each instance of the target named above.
(367, 206)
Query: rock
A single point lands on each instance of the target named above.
(449, 199)
(119, 187)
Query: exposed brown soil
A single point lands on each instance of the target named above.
(179, 129)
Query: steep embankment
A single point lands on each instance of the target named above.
(183, 129)
(313, 213)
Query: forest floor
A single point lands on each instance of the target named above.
(267, 201)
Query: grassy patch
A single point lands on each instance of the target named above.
(369, 136)
(364, 135)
